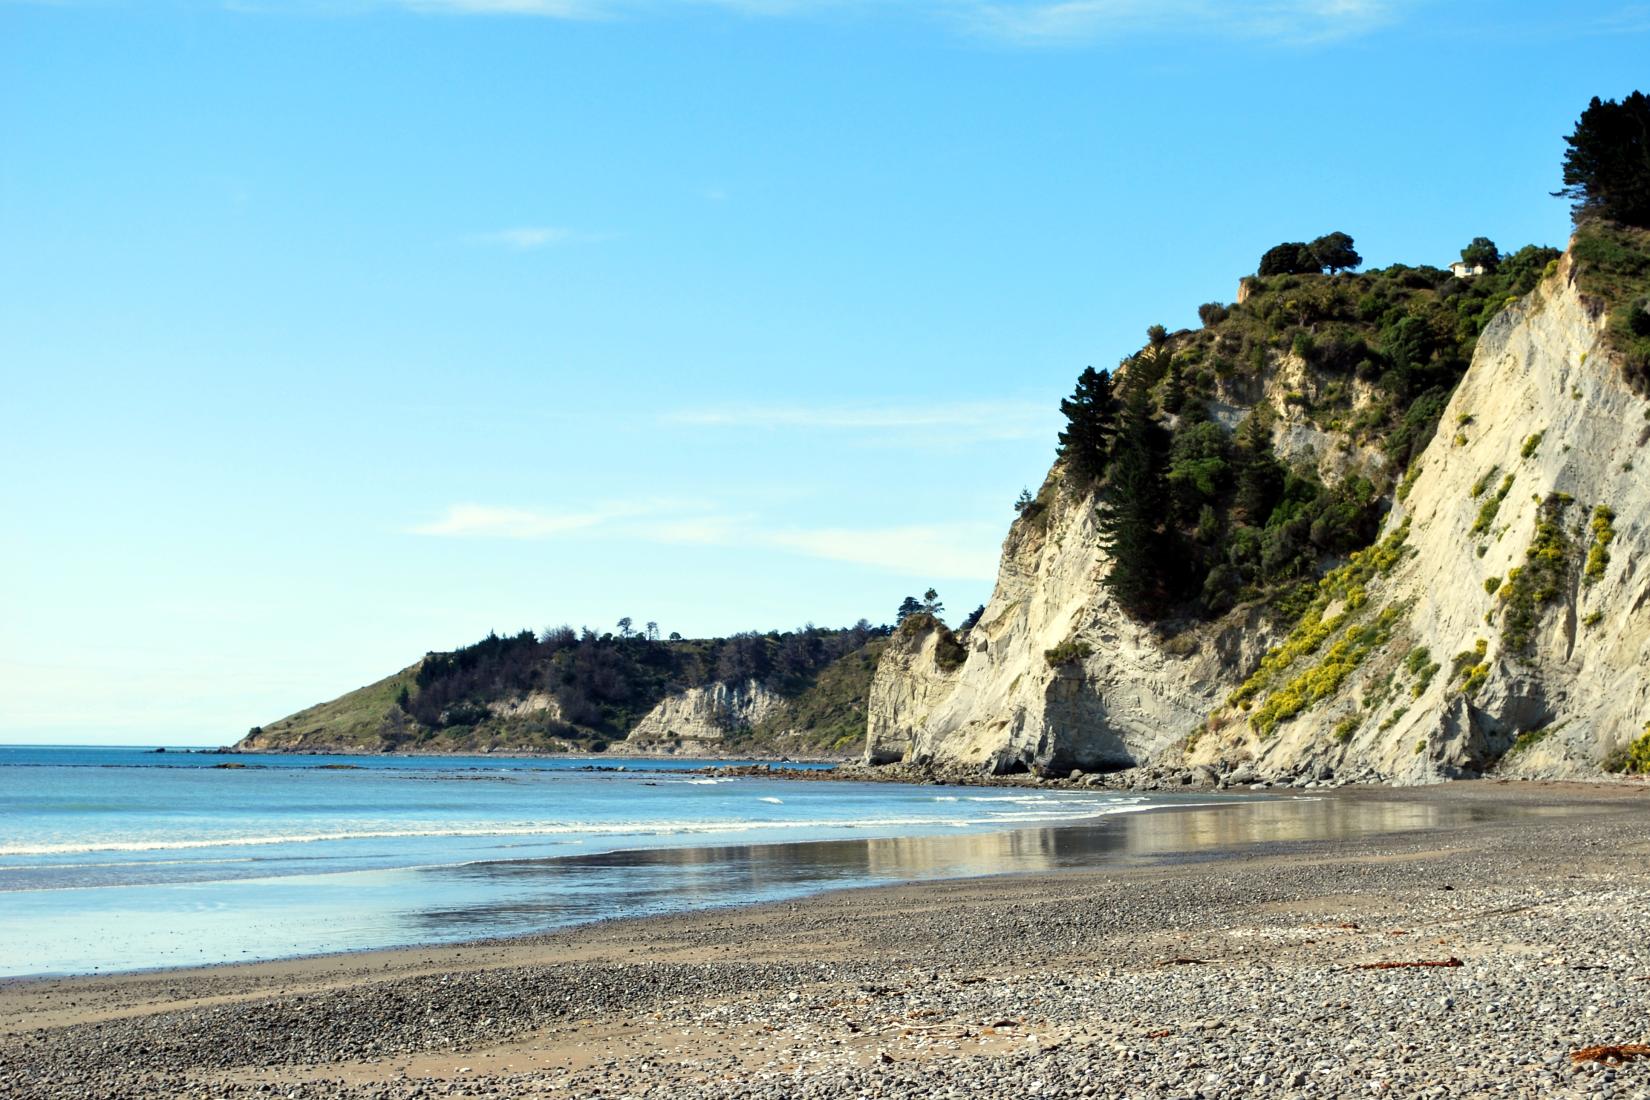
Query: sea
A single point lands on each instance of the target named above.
(117, 859)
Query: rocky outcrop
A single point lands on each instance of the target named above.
(703, 717)
(540, 703)
(1512, 638)
(1056, 676)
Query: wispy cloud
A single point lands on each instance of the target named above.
(973, 420)
(938, 550)
(527, 238)
(1025, 22)
(485, 521)
(1290, 21)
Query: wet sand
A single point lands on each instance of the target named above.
(1195, 952)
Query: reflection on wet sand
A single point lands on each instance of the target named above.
(539, 894)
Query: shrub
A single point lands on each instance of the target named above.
(1633, 758)
(1066, 652)
(1598, 554)
(1471, 669)
(1538, 582)
(1488, 511)
(1320, 682)
(1530, 445)
(1212, 313)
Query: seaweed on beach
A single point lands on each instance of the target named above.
(1452, 961)
(1611, 1055)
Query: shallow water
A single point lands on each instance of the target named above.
(116, 859)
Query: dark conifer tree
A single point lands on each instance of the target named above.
(1607, 167)
(1174, 388)
(1086, 442)
(908, 607)
(1259, 474)
(1134, 508)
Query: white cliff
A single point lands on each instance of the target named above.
(1554, 698)
(1542, 678)
(702, 717)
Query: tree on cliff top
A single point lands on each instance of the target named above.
(1482, 253)
(1289, 258)
(1335, 251)
(1607, 167)
(1332, 250)
(1085, 443)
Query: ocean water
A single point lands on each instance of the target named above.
(120, 858)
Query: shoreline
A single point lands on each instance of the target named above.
(894, 987)
(644, 851)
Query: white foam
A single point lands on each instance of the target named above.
(1070, 812)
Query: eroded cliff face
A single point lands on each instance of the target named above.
(702, 717)
(1056, 676)
(1519, 640)
(1511, 638)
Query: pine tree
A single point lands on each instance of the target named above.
(1086, 442)
(1174, 388)
(1134, 507)
(908, 607)
(1259, 475)
(1607, 167)
(931, 603)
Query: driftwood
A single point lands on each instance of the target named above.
(1451, 961)
(1612, 1055)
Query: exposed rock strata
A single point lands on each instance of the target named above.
(703, 716)
(1134, 693)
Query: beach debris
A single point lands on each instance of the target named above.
(1163, 1033)
(1451, 961)
(1183, 961)
(1611, 1055)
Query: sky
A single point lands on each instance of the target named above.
(337, 331)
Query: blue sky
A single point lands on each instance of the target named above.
(333, 331)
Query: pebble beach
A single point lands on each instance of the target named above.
(1471, 959)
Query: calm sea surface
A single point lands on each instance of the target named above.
(118, 858)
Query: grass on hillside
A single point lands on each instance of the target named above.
(357, 717)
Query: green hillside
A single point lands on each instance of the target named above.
(567, 691)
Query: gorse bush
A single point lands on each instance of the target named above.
(1598, 554)
(1633, 758)
(1546, 572)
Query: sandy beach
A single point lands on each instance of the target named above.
(1217, 962)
